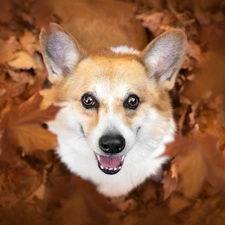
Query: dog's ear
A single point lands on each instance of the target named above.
(164, 56)
(60, 51)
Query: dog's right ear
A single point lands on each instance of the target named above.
(163, 57)
(60, 51)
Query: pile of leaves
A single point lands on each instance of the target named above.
(36, 188)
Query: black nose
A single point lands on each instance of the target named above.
(112, 144)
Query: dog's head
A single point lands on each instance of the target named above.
(115, 99)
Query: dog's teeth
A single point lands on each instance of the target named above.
(110, 168)
(106, 168)
(119, 167)
(115, 168)
(98, 157)
(123, 158)
(102, 167)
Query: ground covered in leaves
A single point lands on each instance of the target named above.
(35, 188)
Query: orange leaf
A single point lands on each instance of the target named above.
(189, 165)
(214, 161)
(22, 127)
(169, 184)
(178, 203)
(198, 160)
(80, 202)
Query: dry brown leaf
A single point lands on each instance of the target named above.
(214, 161)
(5, 13)
(157, 215)
(39, 62)
(41, 11)
(151, 21)
(39, 192)
(8, 198)
(176, 147)
(2, 89)
(132, 219)
(28, 42)
(23, 126)
(40, 78)
(189, 165)
(26, 17)
(22, 60)
(81, 203)
(178, 203)
(22, 77)
(169, 184)
(99, 208)
(125, 205)
(194, 51)
(157, 22)
(15, 181)
(8, 49)
(204, 209)
(14, 89)
(199, 160)
(74, 211)
(23, 214)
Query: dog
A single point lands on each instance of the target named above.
(115, 117)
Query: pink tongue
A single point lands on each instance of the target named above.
(110, 161)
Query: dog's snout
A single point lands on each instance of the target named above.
(112, 144)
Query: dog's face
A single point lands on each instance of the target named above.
(112, 104)
(116, 115)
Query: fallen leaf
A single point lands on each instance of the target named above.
(22, 77)
(14, 89)
(39, 62)
(79, 200)
(214, 161)
(169, 184)
(152, 21)
(28, 41)
(23, 214)
(5, 11)
(157, 215)
(178, 203)
(194, 51)
(132, 219)
(202, 210)
(74, 211)
(8, 49)
(125, 205)
(22, 60)
(23, 126)
(199, 160)
(189, 165)
(41, 11)
(40, 78)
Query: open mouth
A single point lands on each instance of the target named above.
(110, 164)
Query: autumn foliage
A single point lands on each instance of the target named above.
(35, 188)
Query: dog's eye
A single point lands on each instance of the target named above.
(132, 102)
(89, 101)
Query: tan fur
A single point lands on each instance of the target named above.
(116, 71)
(110, 76)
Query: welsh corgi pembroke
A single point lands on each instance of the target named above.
(115, 117)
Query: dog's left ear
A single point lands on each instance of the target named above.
(60, 51)
(164, 55)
